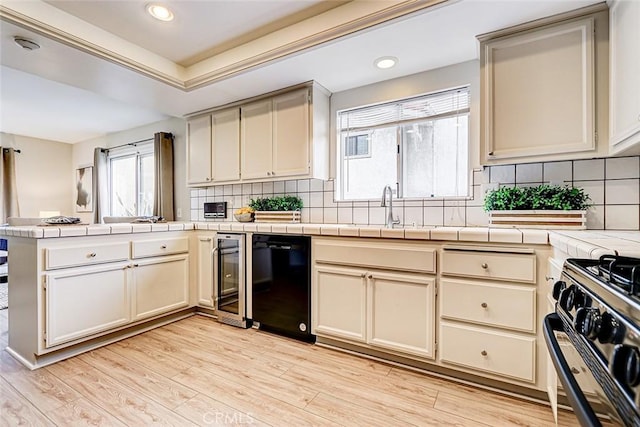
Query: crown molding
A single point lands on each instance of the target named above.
(381, 16)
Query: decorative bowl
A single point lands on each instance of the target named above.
(245, 217)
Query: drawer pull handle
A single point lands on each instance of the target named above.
(91, 255)
(136, 265)
(163, 247)
(575, 370)
(483, 305)
(227, 276)
(483, 352)
(484, 265)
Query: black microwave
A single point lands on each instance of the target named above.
(215, 210)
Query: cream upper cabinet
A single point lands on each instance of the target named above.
(225, 145)
(538, 90)
(624, 86)
(291, 134)
(256, 141)
(199, 150)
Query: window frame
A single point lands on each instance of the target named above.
(359, 156)
(397, 188)
(140, 151)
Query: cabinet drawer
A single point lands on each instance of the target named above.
(376, 254)
(156, 247)
(513, 267)
(507, 306)
(85, 255)
(496, 352)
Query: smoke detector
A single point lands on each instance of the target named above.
(26, 43)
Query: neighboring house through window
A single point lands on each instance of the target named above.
(419, 146)
(131, 180)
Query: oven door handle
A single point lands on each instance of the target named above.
(578, 401)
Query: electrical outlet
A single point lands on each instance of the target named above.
(179, 213)
(485, 188)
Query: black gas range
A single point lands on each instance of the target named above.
(598, 308)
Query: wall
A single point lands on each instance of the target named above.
(44, 174)
(83, 155)
(613, 185)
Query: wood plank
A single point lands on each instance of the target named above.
(43, 389)
(138, 378)
(151, 357)
(389, 398)
(83, 413)
(245, 399)
(17, 411)
(128, 406)
(203, 410)
(68, 368)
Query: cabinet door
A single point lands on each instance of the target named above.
(625, 74)
(256, 140)
(160, 285)
(402, 313)
(199, 150)
(291, 134)
(83, 301)
(339, 302)
(530, 108)
(205, 271)
(225, 140)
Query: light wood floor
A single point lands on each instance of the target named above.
(199, 372)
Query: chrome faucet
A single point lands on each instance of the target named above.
(389, 210)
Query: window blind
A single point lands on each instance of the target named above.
(446, 103)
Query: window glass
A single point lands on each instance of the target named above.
(417, 145)
(131, 181)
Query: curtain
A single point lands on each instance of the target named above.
(9, 203)
(100, 185)
(163, 188)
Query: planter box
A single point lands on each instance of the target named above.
(568, 220)
(277, 216)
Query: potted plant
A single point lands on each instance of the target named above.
(542, 206)
(277, 208)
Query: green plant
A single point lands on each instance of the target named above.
(541, 197)
(276, 203)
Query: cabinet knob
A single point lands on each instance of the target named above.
(268, 173)
(484, 265)
(370, 276)
(91, 255)
(363, 275)
(483, 352)
(136, 265)
(273, 173)
(208, 179)
(547, 278)
(163, 247)
(484, 305)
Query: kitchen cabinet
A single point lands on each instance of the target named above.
(355, 299)
(213, 147)
(488, 317)
(624, 83)
(275, 137)
(539, 83)
(83, 301)
(160, 285)
(199, 150)
(205, 270)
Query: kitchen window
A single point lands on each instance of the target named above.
(419, 146)
(131, 180)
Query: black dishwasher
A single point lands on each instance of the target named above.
(281, 284)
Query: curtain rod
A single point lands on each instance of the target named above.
(130, 143)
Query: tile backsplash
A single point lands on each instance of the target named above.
(613, 184)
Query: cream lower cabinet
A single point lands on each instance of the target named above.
(205, 270)
(489, 325)
(389, 310)
(160, 285)
(386, 310)
(83, 301)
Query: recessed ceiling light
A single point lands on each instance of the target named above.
(385, 62)
(26, 43)
(159, 12)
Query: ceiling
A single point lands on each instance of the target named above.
(106, 66)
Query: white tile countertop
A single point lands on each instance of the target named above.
(579, 244)
(595, 243)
